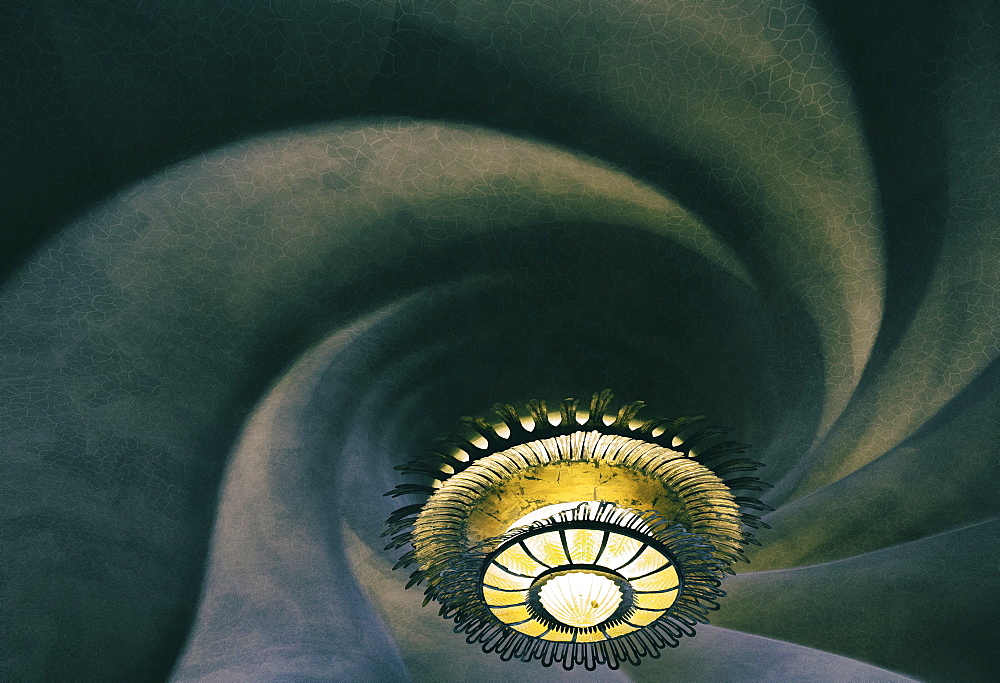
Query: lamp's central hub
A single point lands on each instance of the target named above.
(580, 598)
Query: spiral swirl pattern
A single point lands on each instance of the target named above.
(286, 244)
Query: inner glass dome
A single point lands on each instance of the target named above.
(580, 598)
(579, 580)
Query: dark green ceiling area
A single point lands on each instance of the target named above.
(256, 254)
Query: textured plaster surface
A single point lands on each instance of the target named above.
(258, 254)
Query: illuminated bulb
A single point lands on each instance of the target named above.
(580, 599)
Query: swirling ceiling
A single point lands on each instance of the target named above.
(286, 245)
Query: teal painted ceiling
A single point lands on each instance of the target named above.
(258, 254)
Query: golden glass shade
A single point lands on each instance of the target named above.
(494, 493)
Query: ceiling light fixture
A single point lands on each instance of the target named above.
(579, 537)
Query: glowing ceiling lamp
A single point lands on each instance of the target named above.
(589, 541)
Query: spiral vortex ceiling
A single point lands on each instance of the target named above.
(262, 253)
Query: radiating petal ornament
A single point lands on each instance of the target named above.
(590, 541)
